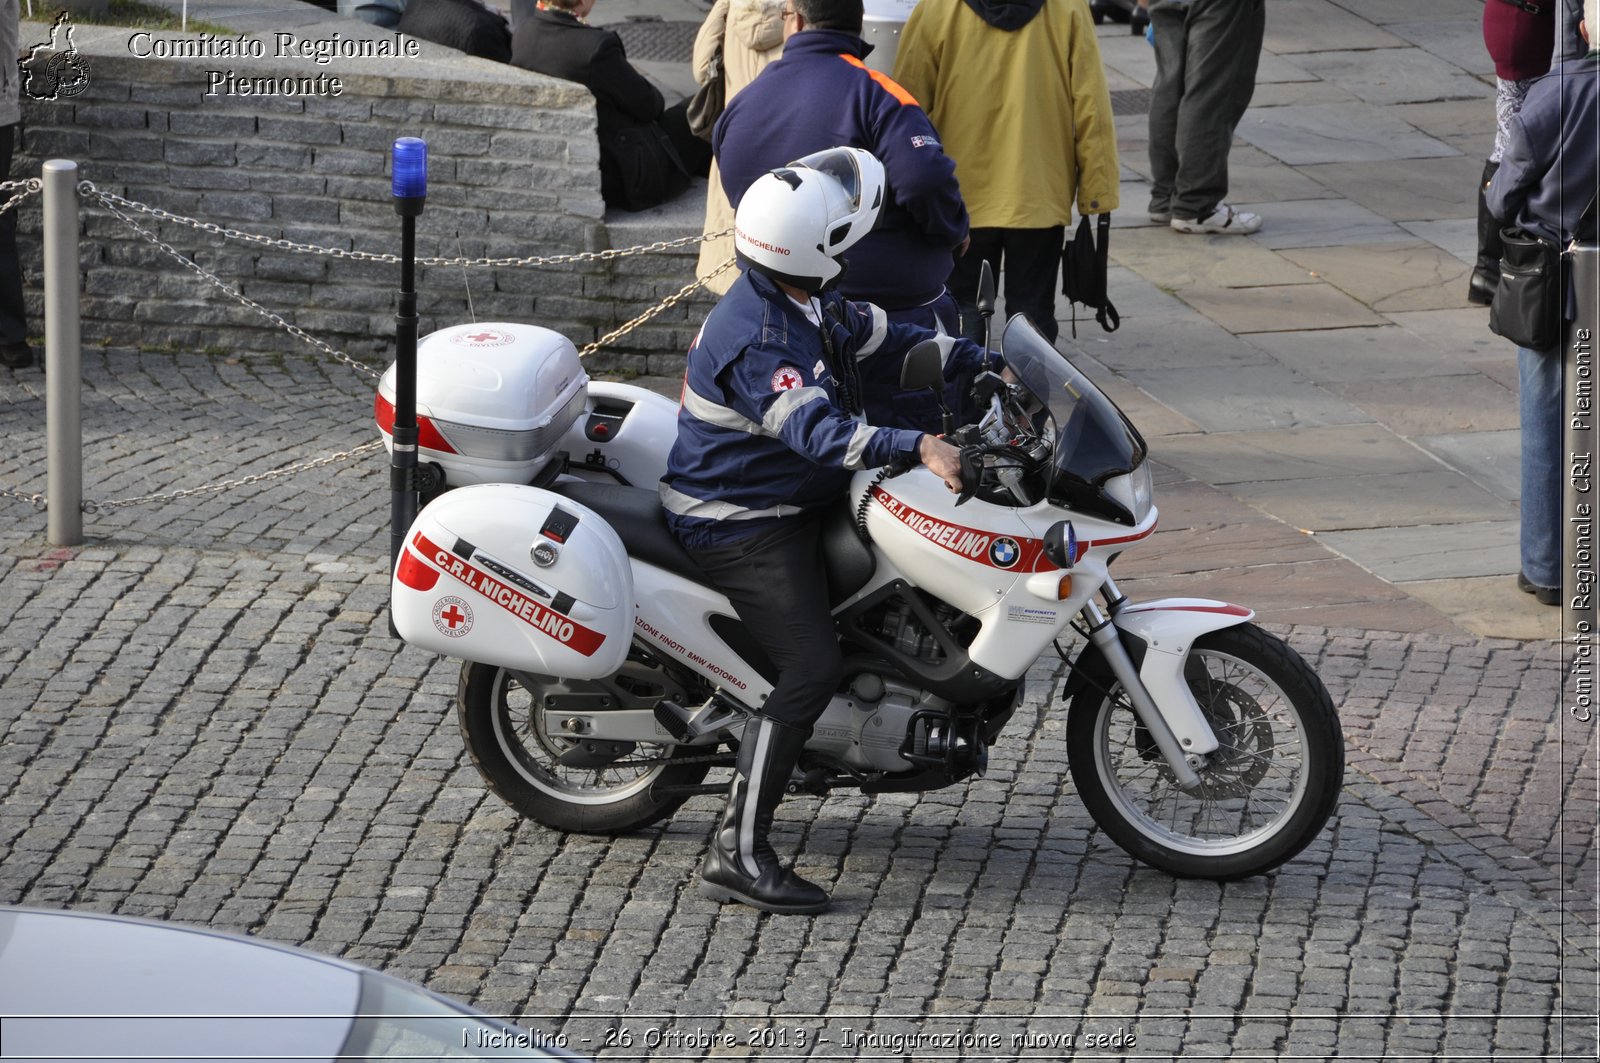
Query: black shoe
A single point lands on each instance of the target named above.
(1108, 9)
(1139, 21)
(741, 864)
(16, 355)
(1481, 285)
(1486, 272)
(1545, 595)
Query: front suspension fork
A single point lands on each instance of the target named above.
(1103, 633)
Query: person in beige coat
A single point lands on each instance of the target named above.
(750, 34)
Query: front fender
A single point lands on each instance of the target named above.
(1168, 627)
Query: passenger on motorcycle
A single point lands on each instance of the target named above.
(768, 435)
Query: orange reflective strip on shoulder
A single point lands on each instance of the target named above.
(890, 85)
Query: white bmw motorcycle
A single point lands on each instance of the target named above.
(604, 678)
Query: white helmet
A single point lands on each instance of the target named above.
(794, 222)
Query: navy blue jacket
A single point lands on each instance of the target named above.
(763, 433)
(1551, 165)
(820, 95)
(1548, 173)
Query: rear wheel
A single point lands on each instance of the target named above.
(502, 723)
(1265, 793)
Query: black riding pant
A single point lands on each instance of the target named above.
(775, 580)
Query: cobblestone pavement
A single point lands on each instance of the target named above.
(203, 719)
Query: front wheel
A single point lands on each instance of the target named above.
(1265, 793)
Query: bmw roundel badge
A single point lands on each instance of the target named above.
(1004, 551)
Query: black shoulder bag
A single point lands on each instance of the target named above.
(1531, 295)
(1083, 273)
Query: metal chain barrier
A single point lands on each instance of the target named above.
(31, 187)
(672, 300)
(39, 502)
(121, 208)
(112, 201)
(243, 481)
(85, 188)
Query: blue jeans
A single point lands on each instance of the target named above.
(1540, 403)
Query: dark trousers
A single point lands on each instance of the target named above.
(1206, 58)
(13, 316)
(1030, 260)
(694, 153)
(775, 581)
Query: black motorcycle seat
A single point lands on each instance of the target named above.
(636, 515)
(640, 522)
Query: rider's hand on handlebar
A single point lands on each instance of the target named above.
(943, 460)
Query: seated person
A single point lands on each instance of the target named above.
(769, 434)
(466, 25)
(647, 153)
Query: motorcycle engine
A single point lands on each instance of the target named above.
(867, 728)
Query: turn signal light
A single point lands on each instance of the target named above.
(1064, 589)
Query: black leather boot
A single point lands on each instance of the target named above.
(741, 865)
(1486, 274)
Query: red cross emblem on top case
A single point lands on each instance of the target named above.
(483, 337)
(787, 378)
(452, 616)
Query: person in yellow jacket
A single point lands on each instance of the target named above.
(1017, 93)
(750, 35)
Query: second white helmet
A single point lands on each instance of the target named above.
(795, 222)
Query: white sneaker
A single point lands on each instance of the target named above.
(1224, 221)
(1160, 217)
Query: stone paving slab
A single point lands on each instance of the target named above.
(1188, 342)
(1356, 354)
(1449, 118)
(1489, 604)
(1462, 334)
(1300, 26)
(1273, 397)
(1492, 459)
(1296, 453)
(1457, 236)
(1395, 75)
(1377, 500)
(1310, 133)
(1282, 308)
(1385, 13)
(1458, 41)
(1406, 189)
(1172, 260)
(1387, 277)
(1321, 223)
(1434, 551)
(1429, 406)
(1256, 177)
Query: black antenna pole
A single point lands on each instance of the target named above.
(410, 187)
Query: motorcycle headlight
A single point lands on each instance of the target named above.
(1133, 491)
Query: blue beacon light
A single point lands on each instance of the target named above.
(410, 172)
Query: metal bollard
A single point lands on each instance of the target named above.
(63, 355)
(1582, 502)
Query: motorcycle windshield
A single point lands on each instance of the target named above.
(1093, 441)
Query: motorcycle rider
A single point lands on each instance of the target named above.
(768, 434)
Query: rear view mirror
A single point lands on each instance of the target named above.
(923, 367)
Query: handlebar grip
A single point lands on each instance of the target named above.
(971, 473)
(900, 466)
